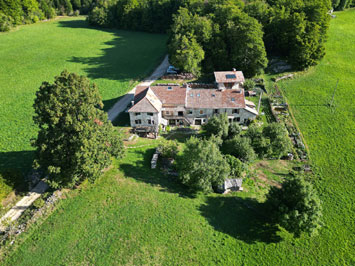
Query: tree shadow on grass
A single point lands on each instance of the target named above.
(141, 171)
(240, 218)
(13, 168)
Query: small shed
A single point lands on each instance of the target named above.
(232, 185)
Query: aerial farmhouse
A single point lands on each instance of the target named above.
(159, 106)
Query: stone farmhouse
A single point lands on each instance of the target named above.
(156, 106)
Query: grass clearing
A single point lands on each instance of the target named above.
(115, 60)
(135, 215)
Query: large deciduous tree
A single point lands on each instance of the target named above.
(295, 206)
(280, 143)
(202, 167)
(240, 148)
(217, 125)
(75, 139)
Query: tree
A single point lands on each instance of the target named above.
(186, 53)
(295, 206)
(169, 149)
(234, 130)
(236, 166)
(260, 144)
(75, 139)
(217, 125)
(240, 148)
(249, 84)
(202, 167)
(279, 141)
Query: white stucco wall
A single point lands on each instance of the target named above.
(144, 117)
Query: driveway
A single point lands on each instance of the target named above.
(122, 103)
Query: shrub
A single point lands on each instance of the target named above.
(249, 84)
(169, 149)
(217, 125)
(6, 23)
(260, 144)
(236, 166)
(240, 148)
(279, 141)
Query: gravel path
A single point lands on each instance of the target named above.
(15, 212)
(122, 103)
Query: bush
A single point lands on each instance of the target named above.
(249, 84)
(236, 166)
(234, 130)
(240, 148)
(169, 149)
(279, 141)
(76, 13)
(260, 144)
(6, 23)
(217, 125)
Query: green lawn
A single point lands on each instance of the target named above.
(113, 59)
(135, 215)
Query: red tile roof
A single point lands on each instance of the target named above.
(212, 98)
(168, 95)
(229, 76)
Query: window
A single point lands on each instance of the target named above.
(167, 112)
(138, 122)
(190, 112)
(149, 122)
(150, 114)
(215, 111)
(201, 112)
(213, 95)
(235, 111)
(238, 119)
(231, 76)
(180, 113)
(138, 114)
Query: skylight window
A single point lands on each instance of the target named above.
(213, 95)
(191, 95)
(170, 88)
(198, 95)
(233, 99)
(231, 76)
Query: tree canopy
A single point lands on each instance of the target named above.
(217, 125)
(240, 148)
(202, 167)
(295, 206)
(75, 139)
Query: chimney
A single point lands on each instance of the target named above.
(132, 103)
(234, 69)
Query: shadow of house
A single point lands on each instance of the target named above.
(240, 218)
(141, 171)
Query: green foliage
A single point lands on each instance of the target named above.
(234, 129)
(217, 125)
(240, 148)
(169, 149)
(249, 84)
(75, 140)
(298, 30)
(280, 143)
(202, 167)
(295, 206)
(236, 166)
(260, 144)
(186, 54)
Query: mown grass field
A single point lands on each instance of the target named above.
(31, 54)
(135, 215)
